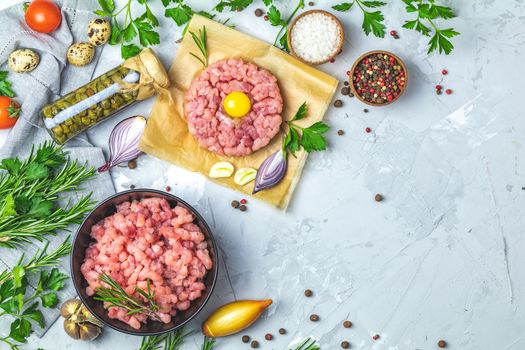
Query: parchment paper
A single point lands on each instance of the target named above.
(167, 136)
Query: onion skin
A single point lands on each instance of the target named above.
(234, 317)
(271, 171)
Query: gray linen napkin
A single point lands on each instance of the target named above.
(51, 78)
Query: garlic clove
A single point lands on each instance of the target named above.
(244, 176)
(72, 329)
(70, 308)
(89, 331)
(221, 169)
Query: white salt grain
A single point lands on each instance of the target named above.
(315, 37)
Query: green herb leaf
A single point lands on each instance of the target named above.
(274, 16)
(40, 208)
(20, 330)
(312, 138)
(116, 34)
(147, 36)
(301, 112)
(444, 12)
(5, 86)
(150, 17)
(267, 3)
(33, 313)
(373, 4)
(130, 50)
(129, 33)
(345, 6)
(181, 15)
(18, 274)
(372, 22)
(440, 41)
(108, 6)
(54, 280)
(295, 141)
(49, 300)
(234, 5)
(12, 165)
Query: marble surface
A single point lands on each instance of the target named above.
(440, 258)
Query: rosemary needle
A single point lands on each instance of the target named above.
(201, 42)
(208, 344)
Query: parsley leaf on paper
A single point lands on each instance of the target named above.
(372, 20)
(310, 138)
(427, 13)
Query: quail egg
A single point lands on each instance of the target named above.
(80, 54)
(23, 60)
(99, 31)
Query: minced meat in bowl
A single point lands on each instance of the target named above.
(146, 236)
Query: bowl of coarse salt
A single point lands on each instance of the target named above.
(315, 37)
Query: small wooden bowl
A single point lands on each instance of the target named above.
(363, 56)
(341, 35)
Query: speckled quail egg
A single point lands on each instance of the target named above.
(80, 54)
(99, 31)
(23, 60)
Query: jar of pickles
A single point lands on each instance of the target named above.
(101, 98)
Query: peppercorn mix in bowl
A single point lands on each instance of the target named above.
(378, 78)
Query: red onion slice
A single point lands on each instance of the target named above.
(124, 141)
(271, 171)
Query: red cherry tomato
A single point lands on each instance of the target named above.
(43, 16)
(9, 110)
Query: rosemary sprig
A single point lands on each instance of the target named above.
(40, 259)
(171, 341)
(116, 296)
(201, 42)
(208, 343)
(307, 344)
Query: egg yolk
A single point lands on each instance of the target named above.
(237, 104)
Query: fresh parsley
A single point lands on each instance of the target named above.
(234, 5)
(22, 303)
(372, 20)
(5, 85)
(309, 138)
(276, 20)
(427, 13)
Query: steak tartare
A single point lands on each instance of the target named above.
(213, 128)
(143, 241)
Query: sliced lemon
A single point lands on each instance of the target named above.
(244, 176)
(221, 169)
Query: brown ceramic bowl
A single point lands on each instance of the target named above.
(363, 56)
(83, 239)
(335, 53)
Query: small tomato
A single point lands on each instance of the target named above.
(43, 16)
(9, 110)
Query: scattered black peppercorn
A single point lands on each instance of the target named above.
(350, 95)
(308, 293)
(132, 187)
(245, 339)
(345, 344)
(132, 164)
(438, 92)
(378, 197)
(235, 204)
(259, 12)
(346, 83)
(442, 344)
(314, 317)
(375, 337)
(282, 331)
(255, 344)
(340, 132)
(311, 3)
(347, 324)
(338, 103)
(365, 110)
(242, 207)
(268, 336)
(345, 91)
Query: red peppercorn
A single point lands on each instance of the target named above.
(375, 337)
(439, 87)
(265, 17)
(348, 72)
(332, 60)
(444, 72)
(168, 188)
(268, 336)
(244, 201)
(448, 91)
(368, 130)
(393, 33)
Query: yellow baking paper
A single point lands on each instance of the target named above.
(167, 136)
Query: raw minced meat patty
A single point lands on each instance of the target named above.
(212, 127)
(144, 240)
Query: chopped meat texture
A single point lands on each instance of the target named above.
(148, 240)
(213, 128)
